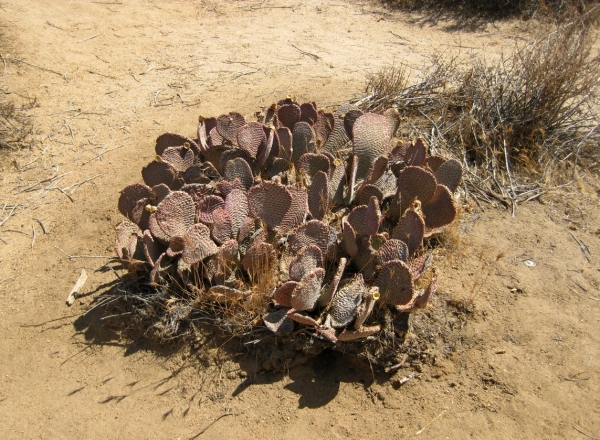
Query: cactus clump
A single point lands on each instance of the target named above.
(303, 221)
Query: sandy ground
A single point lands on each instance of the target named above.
(109, 78)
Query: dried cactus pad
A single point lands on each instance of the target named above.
(420, 264)
(283, 294)
(205, 125)
(346, 301)
(175, 214)
(395, 283)
(305, 262)
(422, 300)
(226, 294)
(394, 250)
(198, 244)
(269, 202)
(278, 322)
(307, 293)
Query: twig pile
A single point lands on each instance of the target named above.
(301, 222)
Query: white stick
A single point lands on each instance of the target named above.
(78, 285)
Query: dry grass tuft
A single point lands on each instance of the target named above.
(518, 125)
(16, 127)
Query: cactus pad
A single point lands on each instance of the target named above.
(250, 137)
(371, 136)
(439, 211)
(156, 173)
(346, 301)
(395, 283)
(238, 168)
(305, 262)
(307, 292)
(415, 183)
(270, 203)
(449, 174)
(228, 126)
(198, 244)
(175, 214)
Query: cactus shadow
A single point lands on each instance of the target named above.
(92, 326)
(317, 381)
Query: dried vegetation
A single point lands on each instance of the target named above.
(16, 126)
(557, 10)
(518, 126)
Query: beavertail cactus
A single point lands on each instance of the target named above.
(302, 219)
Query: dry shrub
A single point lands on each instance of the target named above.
(517, 124)
(560, 10)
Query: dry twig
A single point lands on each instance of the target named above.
(77, 287)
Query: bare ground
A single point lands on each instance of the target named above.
(110, 77)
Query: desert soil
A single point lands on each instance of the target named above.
(109, 78)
